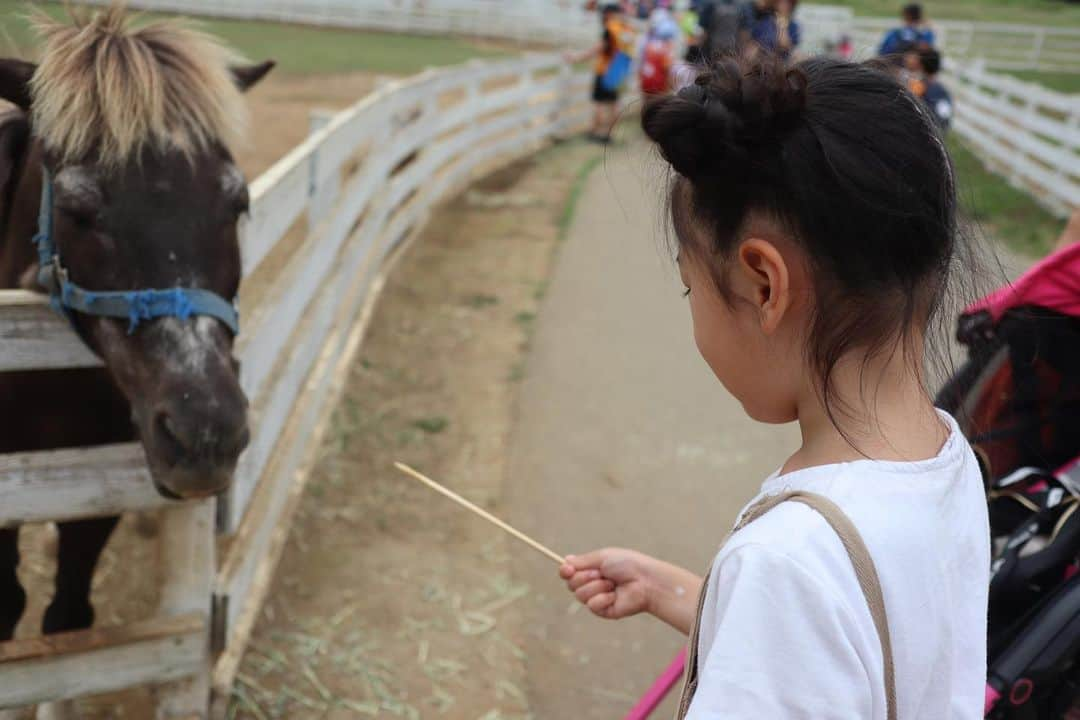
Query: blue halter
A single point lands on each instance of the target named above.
(133, 305)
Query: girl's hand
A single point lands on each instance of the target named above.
(613, 583)
(616, 583)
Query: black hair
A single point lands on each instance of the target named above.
(930, 59)
(609, 8)
(843, 159)
(912, 12)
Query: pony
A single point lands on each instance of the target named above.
(126, 126)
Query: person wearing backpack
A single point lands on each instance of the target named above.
(935, 95)
(658, 56)
(612, 62)
(720, 26)
(914, 32)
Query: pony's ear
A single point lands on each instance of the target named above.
(14, 131)
(15, 81)
(245, 76)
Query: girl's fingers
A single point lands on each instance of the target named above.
(592, 588)
(581, 578)
(566, 571)
(601, 603)
(591, 560)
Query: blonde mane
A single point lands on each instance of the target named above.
(107, 87)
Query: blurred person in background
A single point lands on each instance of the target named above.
(611, 64)
(845, 48)
(719, 20)
(693, 35)
(934, 95)
(910, 68)
(659, 51)
(841, 47)
(662, 20)
(913, 33)
(777, 32)
(751, 12)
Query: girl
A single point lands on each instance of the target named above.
(814, 212)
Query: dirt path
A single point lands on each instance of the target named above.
(598, 425)
(389, 601)
(623, 437)
(576, 407)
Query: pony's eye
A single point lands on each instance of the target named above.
(82, 216)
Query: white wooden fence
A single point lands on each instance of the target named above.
(1001, 46)
(565, 22)
(822, 26)
(364, 182)
(1022, 131)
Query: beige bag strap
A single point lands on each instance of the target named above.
(865, 572)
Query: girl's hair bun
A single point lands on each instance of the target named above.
(732, 112)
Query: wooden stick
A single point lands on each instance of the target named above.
(481, 512)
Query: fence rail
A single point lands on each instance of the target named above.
(364, 181)
(565, 22)
(1000, 46)
(1022, 131)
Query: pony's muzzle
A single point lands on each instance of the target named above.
(196, 452)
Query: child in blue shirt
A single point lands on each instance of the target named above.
(913, 33)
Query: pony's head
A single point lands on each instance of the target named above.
(134, 125)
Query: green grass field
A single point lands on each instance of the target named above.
(1060, 81)
(1037, 12)
(297, 49)
(1005, 213)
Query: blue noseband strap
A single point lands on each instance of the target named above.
(135, 306)
(138, 305)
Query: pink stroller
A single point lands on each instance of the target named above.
(1018, 399)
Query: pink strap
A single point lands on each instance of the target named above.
(660, 688)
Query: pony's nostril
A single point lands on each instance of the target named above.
(169, 433)
(198, 439)
(169, 426)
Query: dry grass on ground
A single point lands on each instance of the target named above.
(389, 600)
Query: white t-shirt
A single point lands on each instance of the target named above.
(786, 632)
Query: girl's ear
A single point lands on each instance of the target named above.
(766, 277)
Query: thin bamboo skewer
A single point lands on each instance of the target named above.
(481, 512)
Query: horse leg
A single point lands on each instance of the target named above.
(12, 595)
(81, 543)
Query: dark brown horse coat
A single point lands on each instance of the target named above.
(149, 199)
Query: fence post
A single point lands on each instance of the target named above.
(566, 77)
(188, 557)
(1036, 48)
(322, 195)
(1072, 124)
(942, 39)
(963, 49)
